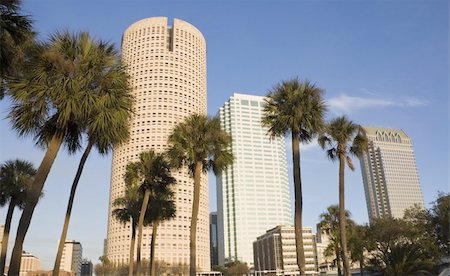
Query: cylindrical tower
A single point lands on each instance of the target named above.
(167, 66)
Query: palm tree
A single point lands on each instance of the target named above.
(404, 259)
(329, 224)
(16, 32)
(108, 124)
(151, 172)
(55, 101)
(338, 134)
(295, 107)
(160, 208)
(128, 208)
(199, 144)
(15, 179)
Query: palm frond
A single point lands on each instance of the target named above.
(200, 139)
(294, 106)
(350, 163)
(360, 145)
(16, 177)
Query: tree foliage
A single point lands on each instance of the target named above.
(398, 247)
(439, 215)
(16, 37)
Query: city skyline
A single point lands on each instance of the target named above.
(383, 64)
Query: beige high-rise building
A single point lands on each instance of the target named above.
(167, 65)
(391, 180)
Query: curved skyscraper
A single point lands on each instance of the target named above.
(167, 65)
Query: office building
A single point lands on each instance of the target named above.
(71, 257)
(167, 65)
(29, 263)
(87, 267)
(213, 239)
(390, 177)
(275, 251)
(253, 193)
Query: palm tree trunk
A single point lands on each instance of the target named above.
(31, 201)
(361, 265)
(195, 205)
(338, 260)
(12, 205)
(298, 204)
(62, 239)
(342, 220)
(140, 225)
(152, 248)
(133, 241)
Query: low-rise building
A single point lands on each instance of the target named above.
(275, 251)
(29, 263)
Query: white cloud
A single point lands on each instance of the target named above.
(349, 103)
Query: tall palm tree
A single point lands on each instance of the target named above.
(15, 33)
(199, 144)
(295, 107)
(338, 135)
(108, 123)
(54, 100)
(128, 208)
(152, 172)
(15, 179)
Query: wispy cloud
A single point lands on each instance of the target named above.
(350, 103)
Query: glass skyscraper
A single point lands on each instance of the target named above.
(391, 180)
(253, 193)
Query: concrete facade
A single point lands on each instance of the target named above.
(252, 193)
(276, 251)
(29, 263)
(390, 176)
(167, 65)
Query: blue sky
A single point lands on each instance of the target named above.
(383, 63)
